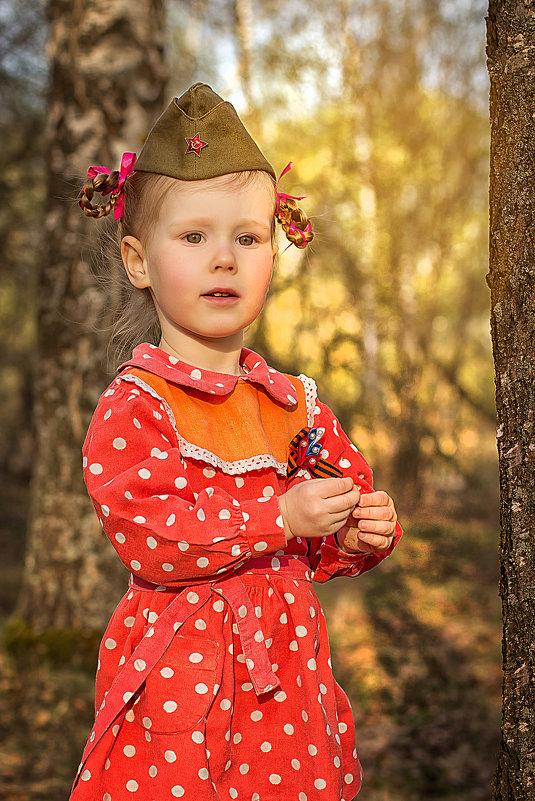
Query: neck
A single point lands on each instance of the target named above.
(218, 357)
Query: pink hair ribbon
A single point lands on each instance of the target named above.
(281, 197)
(127, 167)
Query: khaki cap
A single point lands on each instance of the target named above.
(200, 136)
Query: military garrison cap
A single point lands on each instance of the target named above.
(200, 136)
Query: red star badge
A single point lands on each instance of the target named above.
(195, 145)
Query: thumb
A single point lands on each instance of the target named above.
(335, 486)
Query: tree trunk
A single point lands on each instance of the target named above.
(107, 86)
(511, 64)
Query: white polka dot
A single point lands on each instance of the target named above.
(224, 514)
(105, 510)
(153, 771)
(218, 606)
(95, 468)
(200, 625)
(192, 597)
(177, 791)
(209, 472)
(348, 778)
(170, 706)
(279, 521)
(197, 737)
(135, 565)
(342, 727)
(183, 546)
(260, 546)
(119, 443)
(140, 665)
(280, 696)
(203, 773)
(336, 761)
(256, 715)
(344, 463)
(139, 519)
(244, 769)
(302, 797)
(115, 729)
(320, 784)
(144, 473)
(283, 618)
(323, 691)
(147, 722)
(129, 622)
(201, 515)
(170, 520)
(225, 704)
(301, 631)
(170, 756)
(242, 611)
(132, 786)
(129, 750)
(247, 686)
(265, 747)
(201, 689)
(233, 792)
(86, 775)
(312, 750)
(259, 637)
(296, 765)
(288, 728)
(195, 657)
(291, 399)
(275, 563)
(274, 778)
(180, 482)
(167, 672)
(237, 738)
(304, 715)
(110, 644)
(196, 374)
(136, 422)
(151, 542)
(268, 492)
(159, 454)
(236, 550)
(245, 516)
(167, 567)
(120, 537)
(311, 664)
(293, 646)
(202, 562)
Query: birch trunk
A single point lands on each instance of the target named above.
(107, 86)
(511, 64)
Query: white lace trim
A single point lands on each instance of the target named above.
(189, 450)
(311, 396)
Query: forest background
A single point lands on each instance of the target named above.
(382, 108)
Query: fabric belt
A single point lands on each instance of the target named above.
(188, 601)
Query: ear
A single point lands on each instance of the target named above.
(133, 256)
(275, 249)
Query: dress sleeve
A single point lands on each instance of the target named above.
(138, 483)
(326, 558)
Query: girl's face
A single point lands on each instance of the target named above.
(208, 262)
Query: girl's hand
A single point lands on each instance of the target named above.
(371, 525)
(318, 507)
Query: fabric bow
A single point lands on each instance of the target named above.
(281, 197)
(305, 448)
(127, 167)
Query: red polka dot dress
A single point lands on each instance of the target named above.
(214, 678)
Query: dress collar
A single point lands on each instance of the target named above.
(157, 361)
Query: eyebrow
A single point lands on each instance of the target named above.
(202, 221)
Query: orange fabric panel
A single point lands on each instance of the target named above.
(243, 424)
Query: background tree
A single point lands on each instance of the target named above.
(107, 81)
(511, 64)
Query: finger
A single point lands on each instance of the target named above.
(378, 498)
(331, 487)
(376, 541)
(383, 527)
(375, 513)
(347, 500)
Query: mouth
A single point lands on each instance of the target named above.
(220, 293)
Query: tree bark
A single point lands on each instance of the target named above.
(511, 64)
(107, 86)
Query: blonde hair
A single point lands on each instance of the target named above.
(135, 319)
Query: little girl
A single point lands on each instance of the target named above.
(225, 487)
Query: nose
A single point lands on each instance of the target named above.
(224, 258)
